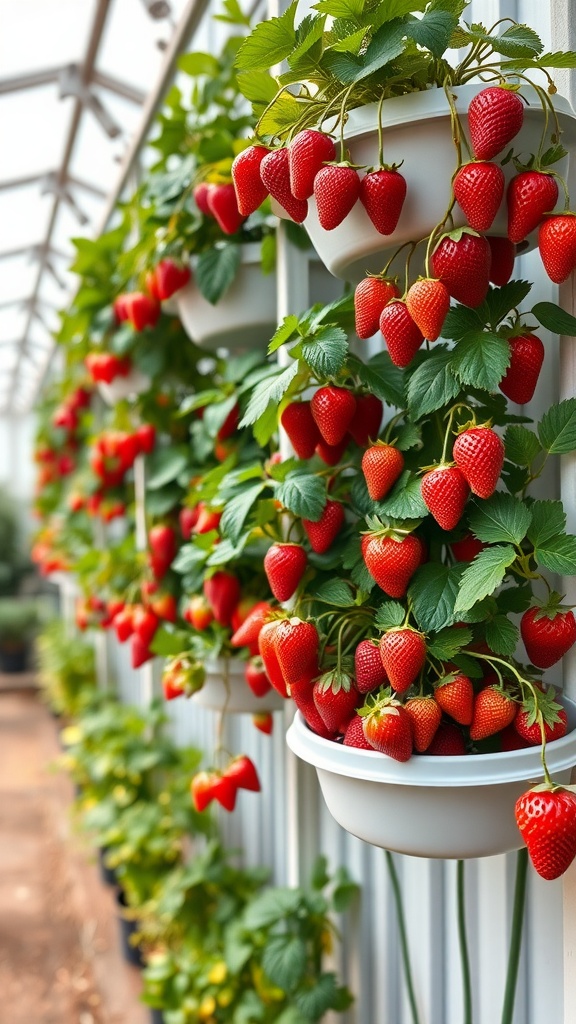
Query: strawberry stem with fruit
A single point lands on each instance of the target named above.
(404, 949)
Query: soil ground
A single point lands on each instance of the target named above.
(60, 954)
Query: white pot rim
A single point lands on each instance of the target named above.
(431, 771)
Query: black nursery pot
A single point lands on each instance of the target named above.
(108, 875)
(127, 928)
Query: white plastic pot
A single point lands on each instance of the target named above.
(449, 807)
(245, 316)
(417, 133)
(225, 689)
(134, 383)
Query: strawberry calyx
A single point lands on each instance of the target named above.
(384, 167)
(552, 608)
(541, 705)
(335, 680)
(396, 529)
(374, 701)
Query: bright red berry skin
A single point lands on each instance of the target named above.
(324, 532)
(557, 245)
(224, 208)
(336, 189)
(547, 823)
(247, 633)
(463, 265)
(275, 174)
(264, 722)
(532, 734)
(354, 735)
(465, 550)
(448, 741)
(335, 701)
(382, 194)
(201, 193)
(547, 639)
(392, 563)
(170, 277)
(333, 410)
(382, 464)
(530, 195)
(332, 453)
(428, 302)
(367, 420)
(267, 648)
(456, 697)
(402, 336)
(296, 644)
(308, 152)
(242, 773)
(370, 297)
(502, 256)
(299, 424)
(479, 190)
(426, 716)
(256, 678)
(139, 651)
(222, 591)
(302, 694)
(403, 655)
(526, 358)
(143, 310)
(479, 454)
(493, 711)
(248, 185)
(445, 493)
(388, 729)
(368, 668)
(284, 565)
(495, 117)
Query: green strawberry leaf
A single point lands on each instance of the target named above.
(269, 391)
(548, 522)
(460, 321)
(165, 465)
(558, 554)
(409, 435)
(481, 359)
(304, 494)
(325, 352)
(501, 301)
(433, 31)
(284, 960)
(269, 42)
(433, 384)
(226, 552)
(522, 445)
(389, 615)
(380, 377)
(336, 592)
(168, 642)
(484, 575)
(386, 44)
(448, 642)
(237, 510)
(557, 428)
(500, 518)
(285, 332)
(469, 666)
(515, 599)
(362, 504)
(216, 269)
(501, 635)
(404, 500)
(433, 591)
(555, 319)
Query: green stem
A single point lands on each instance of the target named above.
(403, 936)
(380, 134)
(463, 942)
(515, 937)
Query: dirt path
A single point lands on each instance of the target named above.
(60, 960)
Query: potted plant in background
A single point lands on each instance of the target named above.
(19, 621)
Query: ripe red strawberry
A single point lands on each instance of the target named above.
(201, 193)
(382, 464)
(145, 622)
(268, 653)
(170, 277)
(493, 711)
(388, 728)
(230, 424)
(448, 741)
(298, 422)
(140, 652)
(367, 419)
(546, 818)
(308, 152)
(368, 668)
(495, 117)
(479, 190)
(224, 208)
(222, 591)
(163, 544)
(187, 519)
(336, 699)
(336, 189)
(123, 626)
(198, 613)
(465, 550)
(296, 643)
(426, 716)
(247, 633)
(530, 195)
(143, 310)
(462, 262)
(323, 533)
(402, 336)
(284, 565)
(224, 791)
(331, 454)
(354, 735)
(455, 695)
(264, 722)
(445, 493)
(201, 790)
(392, 562)
(530, 730)
(370, 297)
(503, 254)
(403, 654)
(146, 437)
(557, 245)
(333, 410)
(248, 185)
(428, 302)
(547, 635)
(255, 675)
(165, 607)
(382, 194)
(521, 378)
(275, 174)
(511, 740)
(479, 453)
(207, 519)
(242, 773)
(302, 694)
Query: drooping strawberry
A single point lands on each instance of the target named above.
(165, 607)
(370, 297)
(479, 454)
(230, 424)
(495, 117)
(208, 519)
(242, 773)
(198, 613)
(187, 519)
(284, 565)
(553, 716)
(392, 562)
(382, 464)
(201, 790)
(264, 722)
(123, 626)
(445, 492)
(548, 634)
(354, 735)
(331, 454)
(222, 591)
(336, 190)
(428, 302)
(546, 817)
(256, 677)
(503, 254)
(143, 310)
(308, 152)
(388, 728)
(297, 643)
(248, 632)
(248, 185)
(336, 699)
(333, 410)
(365, 424)
(530, 195)
(557, 245)
(275, 174)
(146, 437)
(494, 709)
(268, 653)
(369, 671)
(402, 336)
(140, 652)
(224, 208)
(448, 741)
(426, 716)
(465, 550)
(299, 424)
(145, 622)
(201, 193)
(521, 378)
(163, 543)
(302, 694)
(324, 532)
(403, 654)
(462, 261)
(382, 194)
(479, 190)
(455, 695)
(170, 277)
(224, 791)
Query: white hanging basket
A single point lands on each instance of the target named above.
(448, 807)
(245, 316)
(134, 383)
(225, 689)
(417, 133)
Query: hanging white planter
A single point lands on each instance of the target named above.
(245, 316)
(417, 134)
(448, 807)
(225, 689)
(134, 383)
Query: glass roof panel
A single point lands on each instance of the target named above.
(35, 123)
(12, 323)
(17, 277)
(43, 33)
(24, 217)
(129, 43)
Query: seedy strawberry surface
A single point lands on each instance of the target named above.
(275, 174)
(402, 336)
(392, 563)
(557, 245)
(382, 194)
(428, 302)
(333, 410)
(403, 654)
(502, 256)
(368, 668)
(249, 630)
(298, 422)
(456, 697)
(547, 822)
(284, 565)
(547, 639)
(354, 735)
(367, 419)
(224, 208)
(493, 711)
(370, 297)
(445, 493)
(426, 716)
(308, 152)
(296, 643)
(267, 648)
(323, 533)
(530, 195)
(382, 464)
(336, 189)
(479, 453)
(463, 265)
(521, 378)
(388, 728)
(479, 191)
(248, 185)
(495, 117)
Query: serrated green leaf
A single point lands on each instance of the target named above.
(409, 435)
(557, 59)
(433, 31)
(433, 384)
(389, 615)
(270, 390)
(284, 960)
(188, 558)
(269, 42)
(480, 359)
(164, 466)
(336, 592)
(340, 8)
(386, 44)
(283, 333)
(460, 321)
(304, 494)
(522, 445)
(501, 301)
(558, 554)
(518, 41)
(502, 635)
(199, 64)
(326, 351)
(225, 552)
(351, 43)
(381, 377)
(501, 518)
(271, 906)
(515, 599)
(215, 271)
(314, 1002)
(259, 87)
(433, 592)
(405, 500)
(448, 642)
(555, 319)
(468, 666)
(548, 522)
(237, 510)
(265, 426)
(484, 575)
(557, 428)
